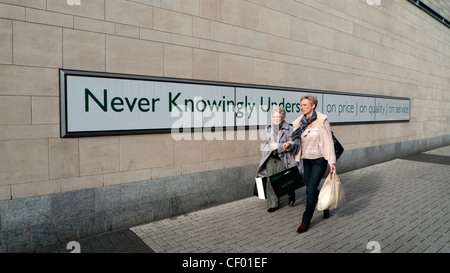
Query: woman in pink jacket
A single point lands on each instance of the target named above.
(313, 143)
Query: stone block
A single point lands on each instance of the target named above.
(246, 182)
(145, 58)
(127, 176)
(15, 110)
(208, 9)
(40, 81)
(64, 158)
(25, 211)
(187, 151)
(177, 61)
(143, 191)
(12, 12)
(128, 216)
(228, 178)
(202, 166)
(222, 32)
(23, 161)
(35, 189)
(275, 22)
(223, 149)
(50, 233)
(228, 11)
(107, 198)
(45, 110)
(250, 15)
(127, 31)
(129, 13)
(49, 18)
(205, 65)
(220, 196)
(171, 21)
(99, 155)
(84, 50)
(161, 208)
(5, 193)
(93, 25)
(81, 182)
(154, 35)
(187, 6)
(6, 41)
(250, 38)
(17, 132)
(138, 152)
(15, 240)
(234, 68)
(90, 9)
(37, 45)
(73, 203)
(162, 172)
(91, 224)
(186, 184)
(201, 28)
(187, 203)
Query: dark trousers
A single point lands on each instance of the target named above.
(314, 169)
(273, 166)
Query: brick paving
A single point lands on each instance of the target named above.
(402, 205)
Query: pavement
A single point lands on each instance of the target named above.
(399, 206)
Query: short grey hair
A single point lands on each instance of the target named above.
(279, 110)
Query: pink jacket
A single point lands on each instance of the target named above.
(326, 144)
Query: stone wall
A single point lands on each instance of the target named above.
(72, 186)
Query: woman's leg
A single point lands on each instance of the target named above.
(314, 170)
(273, 166)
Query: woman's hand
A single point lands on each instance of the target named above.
(332, 168)
(286, 146)
(274, 146)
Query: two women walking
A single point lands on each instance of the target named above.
(308, 139)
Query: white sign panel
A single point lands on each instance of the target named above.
(353, 108)
(392, 109)
(342, 108)
(111, 104)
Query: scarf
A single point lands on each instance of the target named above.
(296, 135)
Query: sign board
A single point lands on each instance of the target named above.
(95, 104)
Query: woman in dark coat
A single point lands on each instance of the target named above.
(274, 158)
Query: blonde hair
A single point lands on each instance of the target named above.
(312, 99)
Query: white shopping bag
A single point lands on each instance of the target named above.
(261, 187)
(332, 194)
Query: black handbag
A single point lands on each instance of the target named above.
(338, 148)
(286, 181)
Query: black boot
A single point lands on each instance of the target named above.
(291, 200)
(326, 214)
